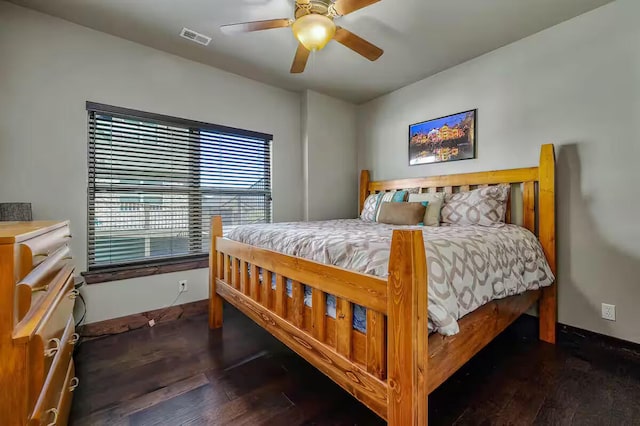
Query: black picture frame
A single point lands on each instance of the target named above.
(428, 146)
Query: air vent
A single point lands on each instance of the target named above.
(195, 36)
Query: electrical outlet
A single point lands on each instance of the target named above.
(182, 286)
(609, 312)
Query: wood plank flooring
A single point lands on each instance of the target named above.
(180, 373)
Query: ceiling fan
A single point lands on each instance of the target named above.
(314, 27)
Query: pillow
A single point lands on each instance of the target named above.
(370, 208)
(435, 200)
(372, 203)
(393, 197)
(402, 213)
(482, 206)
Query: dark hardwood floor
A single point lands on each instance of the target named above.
(180, 373)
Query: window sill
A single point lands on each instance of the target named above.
(127, 272)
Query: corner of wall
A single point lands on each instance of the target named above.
(329, 156)
(304, 100)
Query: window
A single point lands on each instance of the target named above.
(155, 182)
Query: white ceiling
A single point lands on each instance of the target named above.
(419, 37)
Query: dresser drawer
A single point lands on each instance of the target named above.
(54, 403)
(36, 250)
(49, 276)
(64, 404)
(55, 338)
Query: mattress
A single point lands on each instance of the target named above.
(468, 266)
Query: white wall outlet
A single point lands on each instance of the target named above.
(182, 286)
(609, 312)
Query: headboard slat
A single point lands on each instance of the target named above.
(528, 197)
(480, 178)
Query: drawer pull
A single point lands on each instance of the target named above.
(74, 339)
(53, 411)
(67, 258)
(73, 294)
(73, 384)
(39, 289)
(41, 255)
(67, 236)
(51, 351)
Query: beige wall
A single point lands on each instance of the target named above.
(329, 145)
(49, 68)
(577, 85)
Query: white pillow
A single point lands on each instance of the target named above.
(435, 200)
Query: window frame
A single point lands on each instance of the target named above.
(170, 264)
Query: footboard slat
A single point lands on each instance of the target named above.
(298, 303)
(235, 272)
(344, 324)
(220, 266)
(318, 309)
(244, 277)
(267, 292)
(227, 268)
(281, 296)
(265, 297)
(254, 284)
(376, 344)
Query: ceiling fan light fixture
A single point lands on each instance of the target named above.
(314, 31)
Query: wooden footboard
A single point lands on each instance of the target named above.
(243, 275)
(394, 365)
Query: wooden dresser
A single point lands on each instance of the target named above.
(37, 333)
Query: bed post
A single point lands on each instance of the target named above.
(364, 189)
(215, 301)
(547, 234)
(407, 332)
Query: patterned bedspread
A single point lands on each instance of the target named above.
(468, 266)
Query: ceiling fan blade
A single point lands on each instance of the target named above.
(347, 6)
(300, 60)
(246, 27)
(358, 44)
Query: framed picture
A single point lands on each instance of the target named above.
(449, 138)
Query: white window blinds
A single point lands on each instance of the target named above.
(155, 182)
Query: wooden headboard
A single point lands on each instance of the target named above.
(533, 190)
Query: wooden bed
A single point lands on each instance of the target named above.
(395, 365)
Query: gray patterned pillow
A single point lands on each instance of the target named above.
(482, 206)
(370, 208)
